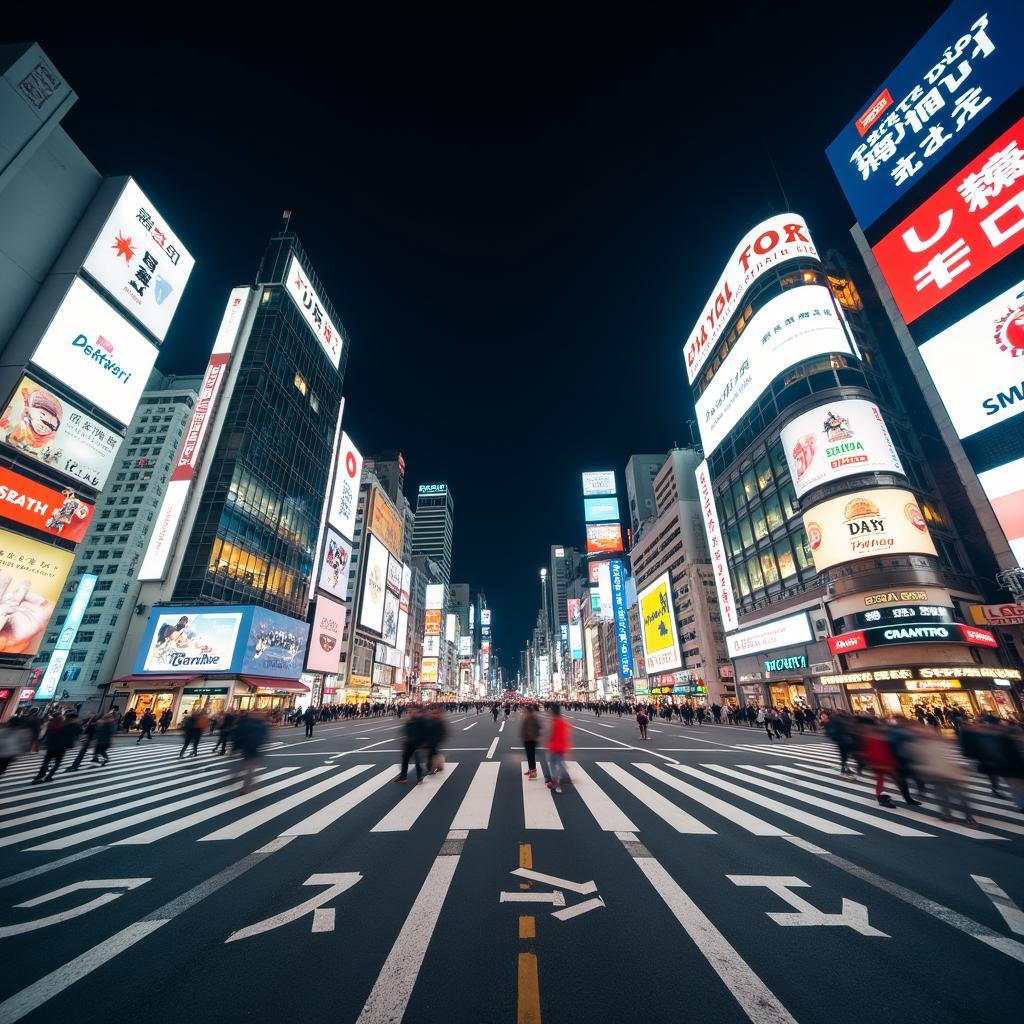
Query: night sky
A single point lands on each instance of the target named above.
(517, 219)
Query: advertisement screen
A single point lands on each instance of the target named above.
(432, 622)
(325, 636)
(794, 629)
(435, 596)
(601, 510)
(276, 645)
(389, 629)
(875, 522)
(780, 238)
(191, 640)
(371, 614)
(345, 496)
(485, 616)
(403, 629)
(32, 575)
(886, 636)
(976, 367)
(58, 434)
(58, 513)
(658, 626)
(428, 671)
(96, 353)
(604, 537)
(716, 548)
(1004, 487)
(394, 581)
(794, 326)
(959, 73)
(575, 629)
(837, 440)
(465, 646)
(432, 646)
(450, 626)
(140, 262)
(334, 568)
(604, 592)
(384, 523)
(297, 285)
(55, 667)
(964, 228)
(599, 483)
(617, 573)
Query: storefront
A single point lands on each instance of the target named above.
(142, 693)
(274, 697)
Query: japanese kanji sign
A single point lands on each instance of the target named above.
(967, 226)
(716, 549)
(312, 308)
(965, 66)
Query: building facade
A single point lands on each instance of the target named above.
(434, 529)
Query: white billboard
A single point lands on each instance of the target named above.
(794, 629)
(435, 596)
(297, 285)
(783, 237)
(837, 440)
(93, 350)
(604, 592)
(1004, 486)
(431, 646)
(371, 611)
(658, 626)
(794, 326)
(716, 548)
(139, 261)
(599, 483)
(345, 494)
(973, 364)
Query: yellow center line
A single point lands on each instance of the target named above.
(527, 926)
(526, 856)
(528, 1007)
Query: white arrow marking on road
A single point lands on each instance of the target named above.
(1008, 910)
(563, 883)
(581, 908)
(853, 915)
(323, 920)
(67, 915)
(470, 726)
(556, 899)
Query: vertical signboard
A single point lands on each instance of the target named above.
(55, 666)
(575, 629)
(716, 548)
(345, 495)
(617, 573)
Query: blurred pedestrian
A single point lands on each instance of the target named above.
(226, 728)
(529, 730)
(643, 721)
(248, 740)
(309, 717)
(165, 720)
(15, 739)
(89, 727)
(193, 727)
(435, 732)
(413, 735)
(146, 724)
(559, 745)
(106, 727)
(934, 759)
(57, 745)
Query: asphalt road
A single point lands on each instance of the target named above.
(705, 874)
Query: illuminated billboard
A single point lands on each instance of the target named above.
(658, 626)
(191, 640)
(394, 580)
(599, 483)
(837, 440)
(601, 510)
(716, 548)
(432, 622)
(864, 524)
(435, 596)
(604, 537)
(798, 324)
(32, 575)
(620, 617)
(58, 434)
(334, 567)
(92, 350)
(958, 74)
(325, 636)
(428, 671)
(432, 646)
(604, 592)
(389, 625)
(371, 611)
(485, 616)
(773, 241)
(58, 513)
(786, 632)
(384, 522)
(345, 494)
(575, 629)
(275, 646)
(65, 640)
(1004, 487)
(313, 311)
(139, 261)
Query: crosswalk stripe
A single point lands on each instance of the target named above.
(949, 826)
(665, 809)
(874, 820)
(405, 813)
(811, 820)
(211, 778)
(777, 751)
(539, 805)
(154, 812)
(319, 820)
(23, 770)
(265, 814)
(226, 807)
(605, 811)
(739, 817)
(475, 810)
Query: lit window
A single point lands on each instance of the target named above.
(300, 383)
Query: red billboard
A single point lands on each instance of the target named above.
(603, 537)
(970, 224)
(60, 513)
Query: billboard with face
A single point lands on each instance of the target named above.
(276, 645)
(371, 614)
(32, 575)
(334, 569)
(191, 640)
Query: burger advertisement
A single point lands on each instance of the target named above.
(838, 440)
(324, 653)
(867, 523)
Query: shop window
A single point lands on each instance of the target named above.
(769, 570)
(804, 558)
(737, 493)
(764, 474)
(735, 548)
(760, 524)
(777, 455)
(745, 533)
(728, 505)
(784, 555)
(300, 384)
(773, 512)
(739, 574)
(749, 481)
(788, 502)
(754, 573)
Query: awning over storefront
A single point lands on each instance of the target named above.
(270, 683)
(155, 682)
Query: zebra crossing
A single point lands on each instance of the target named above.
(150, 795)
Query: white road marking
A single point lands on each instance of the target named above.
(606, 725)
(539, 805)
(491, 748)
(752, 824)
(336, 885)
(665, 809)
(470, 726)
(767, 803)
(475, 810)
(627, 746)
(318, 821)
(389, 997)
(52, 866)
(501, 728)
(583, 888)
(83, 908)
(580, 908)
(556, 899)
(1011, 947)
(605, 811)
(404, 815)
(19, 1005)
(1008, 910)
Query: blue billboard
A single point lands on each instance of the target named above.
(601, 510)
(55, 666)
(216, 639)
(617, 572)
(964, 67)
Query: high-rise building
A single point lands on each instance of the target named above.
(640, 473)
(434, 528)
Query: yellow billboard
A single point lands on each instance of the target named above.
(660, 637)
(385, 524)
(32, 576)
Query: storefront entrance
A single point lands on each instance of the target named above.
(211, 699)
(971, 702)
(790, 694)
(157, 701)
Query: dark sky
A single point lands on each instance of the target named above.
(518, 219)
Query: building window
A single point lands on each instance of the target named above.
(300, 383)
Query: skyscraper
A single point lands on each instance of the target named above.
(640, 473)
(435, 525)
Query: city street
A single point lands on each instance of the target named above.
(706, 872)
